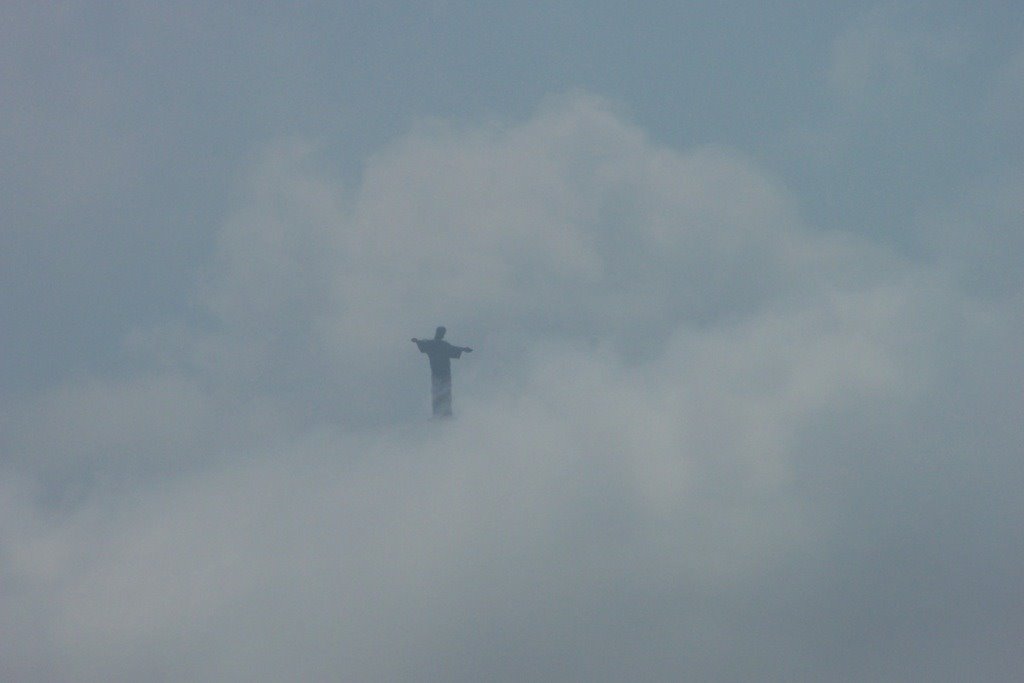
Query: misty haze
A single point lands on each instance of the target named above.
(733, 296)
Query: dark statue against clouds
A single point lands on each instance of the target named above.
(440, 354)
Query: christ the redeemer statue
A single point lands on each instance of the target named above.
(440, 354)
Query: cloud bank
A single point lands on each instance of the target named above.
(697, 439)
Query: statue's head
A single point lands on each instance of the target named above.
(439, 333)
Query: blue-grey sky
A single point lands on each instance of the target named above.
(743, 283)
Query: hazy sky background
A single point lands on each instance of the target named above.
(745, 291)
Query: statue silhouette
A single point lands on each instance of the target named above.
(440, 354)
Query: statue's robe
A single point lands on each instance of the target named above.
(440, 354)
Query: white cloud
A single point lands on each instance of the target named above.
(571, 225)
(660, 426)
